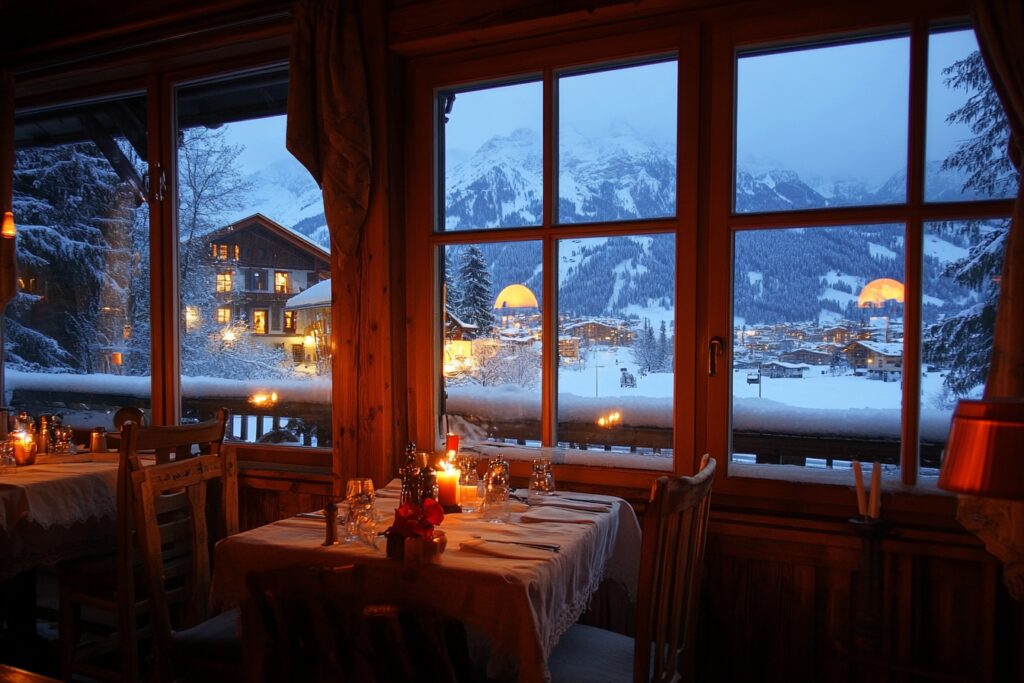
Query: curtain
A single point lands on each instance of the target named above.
(8, 260)
(328, 113)
(999, 25)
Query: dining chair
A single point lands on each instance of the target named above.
(173, 536)
(108, 586)
(319, 624)
(671, 558)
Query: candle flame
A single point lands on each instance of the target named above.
(609, 420)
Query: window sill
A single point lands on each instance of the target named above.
(576, 458)
(794, 474)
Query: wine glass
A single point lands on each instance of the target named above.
(360, 496)
(542, 479)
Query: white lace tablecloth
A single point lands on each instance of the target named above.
(521, 605)
(59, 508)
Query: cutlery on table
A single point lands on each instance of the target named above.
(553, 547)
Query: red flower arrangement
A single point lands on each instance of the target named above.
(413, 520)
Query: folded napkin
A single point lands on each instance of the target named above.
(392, 490)
(480, 546)
(550, 513)
(551, 501)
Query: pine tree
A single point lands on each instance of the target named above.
(475, 304)
(964, 340)
(453, 294)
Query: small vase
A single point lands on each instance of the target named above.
(419, 550)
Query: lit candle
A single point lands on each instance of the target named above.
(451, 445)
(24, 448)
(448, 485)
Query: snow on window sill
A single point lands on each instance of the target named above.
(891, 482)
(562, 456)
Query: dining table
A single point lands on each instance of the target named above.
(59, 508)
(517, 584)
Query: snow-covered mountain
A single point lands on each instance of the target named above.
(285, 192)
(622, 176)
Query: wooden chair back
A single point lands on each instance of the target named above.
(317, 624)
(171, 520)
(671, 558)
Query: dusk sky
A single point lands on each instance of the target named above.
(837, 111)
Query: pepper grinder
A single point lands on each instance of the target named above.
(331, 522)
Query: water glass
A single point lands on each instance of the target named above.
(469, 487)
(360, 496)
(496, 493)
(542, 478)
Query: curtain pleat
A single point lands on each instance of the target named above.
(328, 112)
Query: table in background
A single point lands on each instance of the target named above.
(62, 507)
(521, 605)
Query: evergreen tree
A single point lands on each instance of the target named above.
(964, 340)
(475, 304)
(453, 294)
(75, 220)
(645, 349)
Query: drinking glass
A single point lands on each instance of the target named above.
(542, 479)
(360, 496)
(496, 490)
(469, 485)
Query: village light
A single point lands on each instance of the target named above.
(263, 399)
(228, 335)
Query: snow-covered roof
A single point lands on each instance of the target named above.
(288, 232)
(789, 366)
(458, 321)
(317, 296)
(883, 348)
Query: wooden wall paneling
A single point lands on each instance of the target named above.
(781, 604)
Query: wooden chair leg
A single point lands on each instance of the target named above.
(70, 614)
(127, 641)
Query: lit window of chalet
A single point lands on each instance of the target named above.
(224, 281)
(280, 282)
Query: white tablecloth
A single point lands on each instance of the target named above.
(522, 606)
(61, 507)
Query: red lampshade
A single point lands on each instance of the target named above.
(985, 452)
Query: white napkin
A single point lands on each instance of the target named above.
(392, 490)
(549, 513)
(480, 546)
(542, 501)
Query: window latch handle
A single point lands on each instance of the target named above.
(161, 184)
(716, 347)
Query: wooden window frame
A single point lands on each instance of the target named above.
(707, 53)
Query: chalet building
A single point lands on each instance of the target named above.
(780, 369)
(457, 329)
(808, 356)
(599, 332)
(839, 335)
(878, 360)
(259, 265)
(311, 312)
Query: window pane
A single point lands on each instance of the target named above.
(820, 127)
(492, 350)
(818, 345)
(963, 261)
(617, 144)
(493, 156)
(76, 335)
(243, 193)
(966, 150)
(616, 332)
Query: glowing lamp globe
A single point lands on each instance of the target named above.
(516, 296)
(877, 292)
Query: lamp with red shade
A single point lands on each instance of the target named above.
(985, 451)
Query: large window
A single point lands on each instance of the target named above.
(77, 333)
(608, 345)
(824, 367)
(234, 173)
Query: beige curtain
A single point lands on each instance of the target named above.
(328, 112)
(1000, 28)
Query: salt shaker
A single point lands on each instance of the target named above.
(331, 523)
